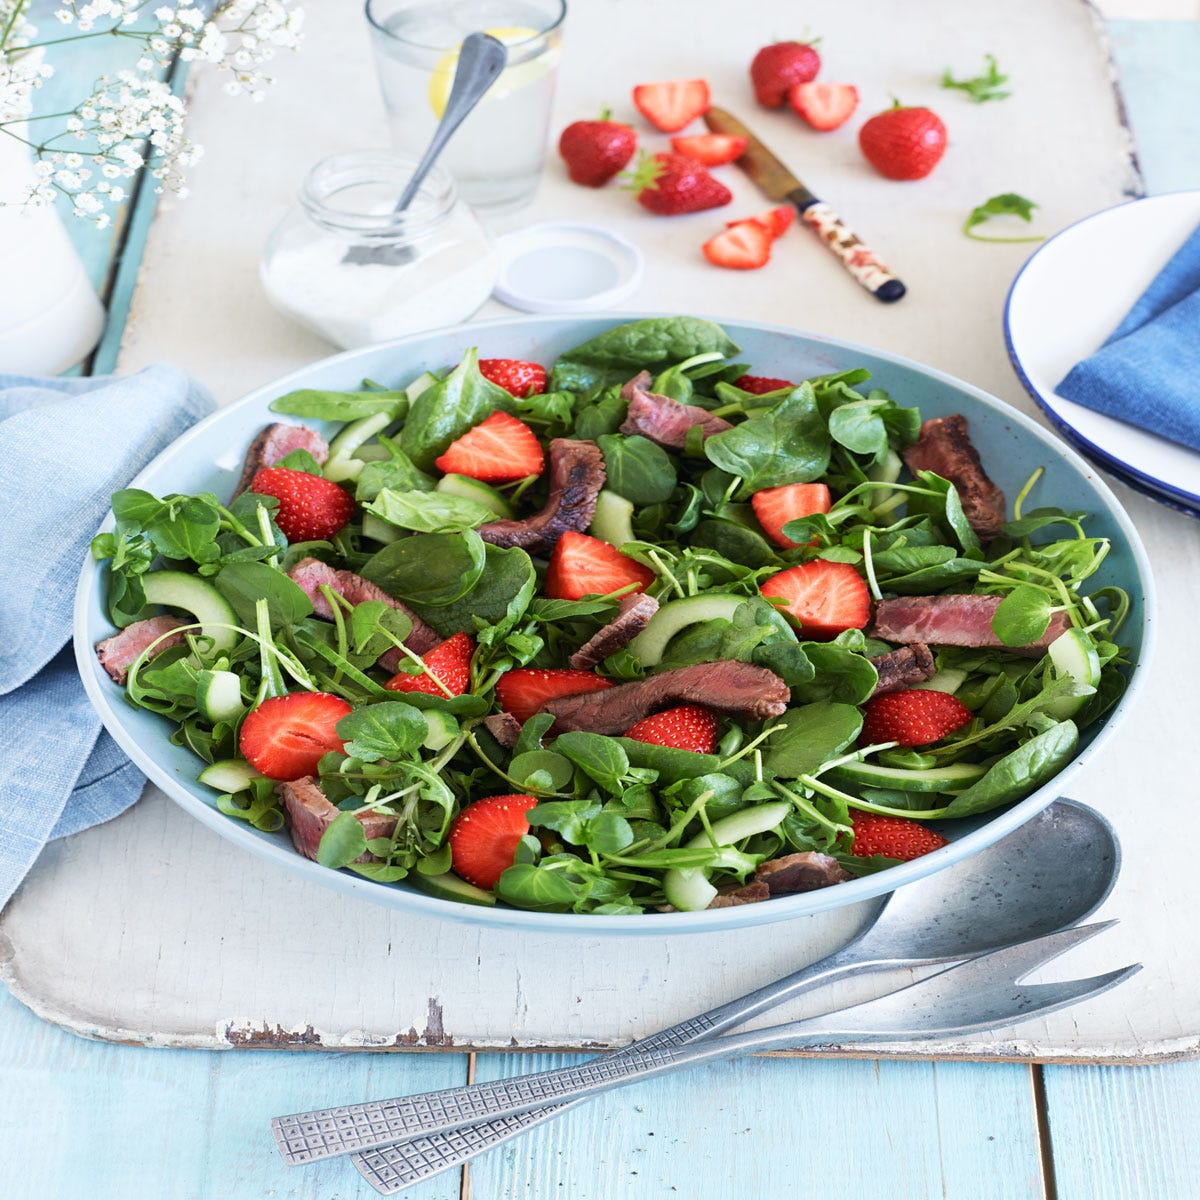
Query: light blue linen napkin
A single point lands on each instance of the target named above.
(1147, 371)
(66, 445)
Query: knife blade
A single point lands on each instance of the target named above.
(778, 183)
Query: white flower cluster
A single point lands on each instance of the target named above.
(132, 120)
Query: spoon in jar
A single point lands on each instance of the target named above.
(1048, 874)
(481, 58)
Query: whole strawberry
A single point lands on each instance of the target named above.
(780, 66)
(903, 143)
(670, 184)
(893, 837)
(311, 509)
(595, 151)
(916, 717)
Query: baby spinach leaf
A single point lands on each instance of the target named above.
(1007, 204)
(941, 501)
(600, 758)
(537, 888)
(637, 469)
(389, 730)
(811, 735)
(1019, 772)
(1022, 616)
(436, 569)
(497, 596)
(734, 541)
(840, 675)
(396, 471)
(342, 842)
(448, 408)
(429, 512)
(602, 416)
(341, 406)
(244, 583)
(300, 460)
(569, 610)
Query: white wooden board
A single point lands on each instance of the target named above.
(153, 930)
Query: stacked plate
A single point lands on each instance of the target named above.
(1067, 299)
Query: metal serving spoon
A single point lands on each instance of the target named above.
(481, 58)
(1051, 872)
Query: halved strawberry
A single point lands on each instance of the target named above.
(499, 449)
(914, 717)
(775, 507)
(776, 221)
(760, 385)
(524, 690)
(449, 661)
(582, 566)
(516, 376)
(311, 509)
(711, 149)
(893, 837)
(824, 106)
(484, 837)
(672, 104)
(745, 246)
(688, 727)
(285, 736)
(827, 598)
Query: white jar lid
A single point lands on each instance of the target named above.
(566, 266)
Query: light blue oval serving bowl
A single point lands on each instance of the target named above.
(209, 457)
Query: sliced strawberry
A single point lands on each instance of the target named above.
(688, 727)
(582, 566)
(516, 376)
(449, 661)
(827, 598)
(286, 736)
(311, 509)
(499, 449)
(824, 106)
(672, 104)
(484, 838)
(893, 837)
(776, 221)
(711, 149)
(775, 507)
(760, 385)
(523, 691)
(745, 246)
(915, 717)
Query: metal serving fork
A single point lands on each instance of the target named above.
(979, 994)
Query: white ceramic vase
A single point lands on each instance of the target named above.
(50, 317)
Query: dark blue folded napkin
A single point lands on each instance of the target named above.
(1147, 372)
(67, 444)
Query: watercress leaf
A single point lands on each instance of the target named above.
(341, 406)
(529, 850)
(448, 408)
(244, 583)
(532, 733)
(380, 872)
(371, 621)
(608, 833)
(1040, 518)
(600, 758)
(390, 729)
(1019, 772)
(342, 842)
(1023, 615)
(859, 427)
(538, 888)
(637, 469)
(429, 512)
(568, 818)
(942, 502)
(557, 769)
(135, 509)
(186, 527)
(811, 735)
(989, 85)
(436, 569)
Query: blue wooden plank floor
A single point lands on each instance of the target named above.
(85, 1119)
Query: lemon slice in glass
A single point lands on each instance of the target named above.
(511, 78)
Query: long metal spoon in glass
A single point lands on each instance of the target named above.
(1051, 872)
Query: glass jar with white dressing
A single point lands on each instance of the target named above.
(345, 264)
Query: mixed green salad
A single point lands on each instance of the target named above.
(619, 825)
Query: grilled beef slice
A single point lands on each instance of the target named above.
(902, 667)
(119, 652)
(750, 893)
(662, 419)
(310, 813)
(636, 611)
(804, 872)
(953, 621)
(504, 727)
(576, 477)
(740, 689)
(945, 448)
(276, 442)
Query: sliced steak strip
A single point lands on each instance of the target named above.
(945, 448)
(311, 574)
(953, 621)
(803, 872)
(119, 652)
(504, 727)
(576, 477)
(662, 419)
(727, 686)
(276, 442)
(751, 893)
(636, 611)
(902, 667)
(310, 813)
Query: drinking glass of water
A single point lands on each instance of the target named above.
(496, 155)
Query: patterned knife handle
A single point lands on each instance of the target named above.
(860, 260)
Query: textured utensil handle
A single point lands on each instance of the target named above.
(323, 1133)
(390, 1169)
(860, 260)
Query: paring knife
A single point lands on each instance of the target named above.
(777, 183)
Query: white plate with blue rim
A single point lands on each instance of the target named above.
(1069, 296)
